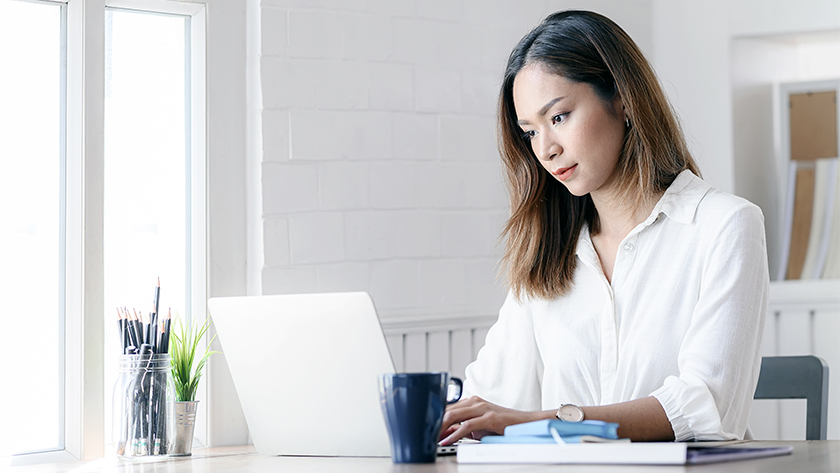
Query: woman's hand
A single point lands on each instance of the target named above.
(474, 417)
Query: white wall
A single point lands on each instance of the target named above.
(691, 53)
(379, 168)
(227, 210)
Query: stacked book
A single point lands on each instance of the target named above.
(596, 442)
(557, 431)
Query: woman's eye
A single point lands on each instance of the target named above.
(559, 118)
(528, 135)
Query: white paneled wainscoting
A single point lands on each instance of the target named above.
(436, 344)
(803, 319)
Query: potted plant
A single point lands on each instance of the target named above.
(186, 374)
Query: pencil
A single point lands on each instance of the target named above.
(161, 334)
(147, 330)
(135, 324)
(154, 318)
(122, 332)
(167, 327)
(129, 325)
(138, 332)
(157, 296)
(127, 329)
(153, 329)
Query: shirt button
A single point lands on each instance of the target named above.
(628, 247)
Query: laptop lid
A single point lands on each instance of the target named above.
(306, 369)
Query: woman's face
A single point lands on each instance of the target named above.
(576, 136)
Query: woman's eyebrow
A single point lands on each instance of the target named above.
(545, 108)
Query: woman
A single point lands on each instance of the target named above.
(637, 292)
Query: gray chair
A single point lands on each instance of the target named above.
(798, 377)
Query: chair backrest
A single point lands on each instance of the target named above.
(798, 377)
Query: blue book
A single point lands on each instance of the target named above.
(528, 439)
(543, 428)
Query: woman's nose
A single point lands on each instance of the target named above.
(548, 149)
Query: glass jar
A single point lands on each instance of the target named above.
(144, 406)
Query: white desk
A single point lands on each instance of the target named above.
(807, 457)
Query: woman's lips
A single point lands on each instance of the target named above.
(564, 173)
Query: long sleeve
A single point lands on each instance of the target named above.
(506, 371)
(719, 358)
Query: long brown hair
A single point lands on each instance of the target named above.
(546, 219)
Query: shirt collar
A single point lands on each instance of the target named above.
(681, 199)
(586, 250)
(679, 203)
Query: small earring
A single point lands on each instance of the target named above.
(627, 122)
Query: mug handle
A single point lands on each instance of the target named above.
(454, 390)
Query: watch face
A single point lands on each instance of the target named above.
(571, 413)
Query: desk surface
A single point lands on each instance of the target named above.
(811, 457)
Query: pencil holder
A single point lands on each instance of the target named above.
(144, 406)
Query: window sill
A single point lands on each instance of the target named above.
(60, 462)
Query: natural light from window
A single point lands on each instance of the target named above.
(147, 161)
(31, 197)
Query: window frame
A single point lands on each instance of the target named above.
(196, 201)
(83, 125)
(83, 231)
(66, 263)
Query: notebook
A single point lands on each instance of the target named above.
(306, 369)
(655, 453)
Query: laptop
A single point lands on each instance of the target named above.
(306, 368)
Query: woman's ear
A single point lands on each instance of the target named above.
(620, 110)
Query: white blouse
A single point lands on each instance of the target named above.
(681, 321)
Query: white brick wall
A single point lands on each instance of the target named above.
(379, 168)
(314, 34)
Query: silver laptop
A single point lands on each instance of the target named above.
(306, 369)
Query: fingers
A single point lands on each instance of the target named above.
(473, 415)
(478, 417)
(452, 419)
(456, 414)
(457, 432)
(447, 432)
(466, 409)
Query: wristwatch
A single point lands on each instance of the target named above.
(570, 413)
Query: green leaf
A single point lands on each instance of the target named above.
(183, 348)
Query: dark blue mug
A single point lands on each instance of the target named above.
(413, 405)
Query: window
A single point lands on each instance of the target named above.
(32, 195)
(149, 167)
(58, 190)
